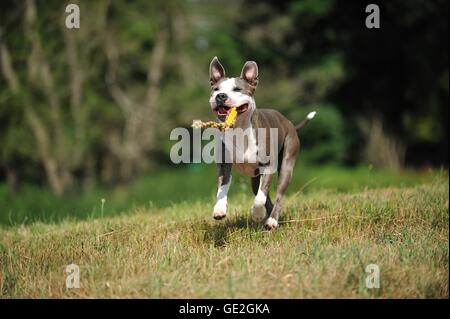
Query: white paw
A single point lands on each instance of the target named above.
(220, 210)
(258, 213)
(271, 223)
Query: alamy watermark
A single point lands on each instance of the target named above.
(254, 146)
(373, 19)
(373, 279)
(73, 17)
(73, 277)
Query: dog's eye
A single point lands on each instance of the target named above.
(216, 89)
(237, 89)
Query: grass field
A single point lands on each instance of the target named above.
(327, 237)
(193, 183)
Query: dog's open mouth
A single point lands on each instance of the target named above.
(222, 110)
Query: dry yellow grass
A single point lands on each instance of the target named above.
(320, 250)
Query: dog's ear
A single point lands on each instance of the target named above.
(216, 71)
(250, 73)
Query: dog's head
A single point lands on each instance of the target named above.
(227, 92)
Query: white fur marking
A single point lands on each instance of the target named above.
(311, 115)
(236, 98)
(271, 223)
(260, 198)
(220, 208)
(227, 85)
(259, 209)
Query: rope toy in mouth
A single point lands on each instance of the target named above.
(229, 121)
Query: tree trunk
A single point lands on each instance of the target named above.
(12, 178)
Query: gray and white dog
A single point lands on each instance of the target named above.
(239, 91)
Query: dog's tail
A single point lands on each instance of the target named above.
(303, 123)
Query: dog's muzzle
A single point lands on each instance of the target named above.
(223, 106)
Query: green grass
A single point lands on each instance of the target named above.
(196, 182)
(325, 240)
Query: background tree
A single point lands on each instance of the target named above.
(96, 104)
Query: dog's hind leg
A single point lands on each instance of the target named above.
(291, 148)
(262, 205)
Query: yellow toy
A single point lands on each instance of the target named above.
(229, 121)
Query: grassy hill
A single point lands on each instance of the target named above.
(192, 183)
(324, 243)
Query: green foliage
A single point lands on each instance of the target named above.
(313, 7)
(310, 52)
(324, 140)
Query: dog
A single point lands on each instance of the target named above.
(227, 92)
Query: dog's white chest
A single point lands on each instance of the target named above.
(242, 148)
(241, 145)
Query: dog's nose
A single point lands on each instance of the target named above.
(221, 97)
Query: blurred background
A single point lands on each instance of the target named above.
(85, 114)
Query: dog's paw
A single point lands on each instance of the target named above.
(271, 223)
(258, 213)
(220, 211)
(219, 215)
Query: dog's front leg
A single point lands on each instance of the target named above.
(224, 181)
